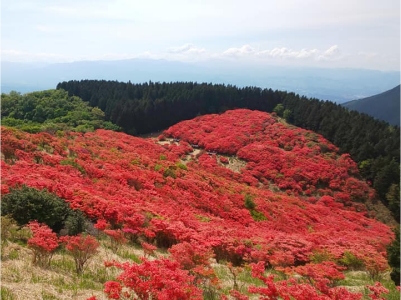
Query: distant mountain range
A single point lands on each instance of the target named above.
(338, 85)
(384, 106)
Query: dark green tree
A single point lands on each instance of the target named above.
(393, 199)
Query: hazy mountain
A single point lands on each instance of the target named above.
(384, 106)
(339, 85)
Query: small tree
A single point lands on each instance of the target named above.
(82, 248)
(279, 109)
(43, 243)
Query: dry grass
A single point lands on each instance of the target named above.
(20, 279)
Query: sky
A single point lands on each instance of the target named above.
(314, 33)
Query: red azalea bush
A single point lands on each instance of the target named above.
(158, 279)
(377, 291)
(82, 248)
(43, 243)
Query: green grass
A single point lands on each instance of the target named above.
(126, 254)
(6, 294)
(98, 275)
(360, 280)
(61, 284)
(246, 277)
(65, 264)
(17, 276)
(14, 254)
(48, 296)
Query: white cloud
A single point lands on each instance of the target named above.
(244, 50)
(189, 52)
(333, 53)
(246, 55)
(187, 48)
(282, 53)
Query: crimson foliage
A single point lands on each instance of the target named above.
(310, 196)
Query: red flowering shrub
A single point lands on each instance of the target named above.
(376, 291)
(43, 243)
(112, 289)
(159, 279)
(82, 248)
(304, 193)
(190, 255)
(293, 289)
(195, 258)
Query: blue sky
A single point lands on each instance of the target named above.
(315, 33)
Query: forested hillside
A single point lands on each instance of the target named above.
(276, 207)
(148, 107)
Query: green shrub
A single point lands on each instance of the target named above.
(182, 166)
(321, 256)
(73, 163)
(279, 109)
(169, 173)
(75, 222)
(351, 261)
(257, 215)
(26, 204)
(249, 204)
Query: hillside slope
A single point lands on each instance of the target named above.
(149, 107)
(296, 206)
(384, 106)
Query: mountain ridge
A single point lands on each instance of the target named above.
(338, 85)
(384, 106)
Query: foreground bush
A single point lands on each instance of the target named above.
(43, 243)
(158, 279)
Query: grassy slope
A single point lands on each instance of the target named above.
(20, 280)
